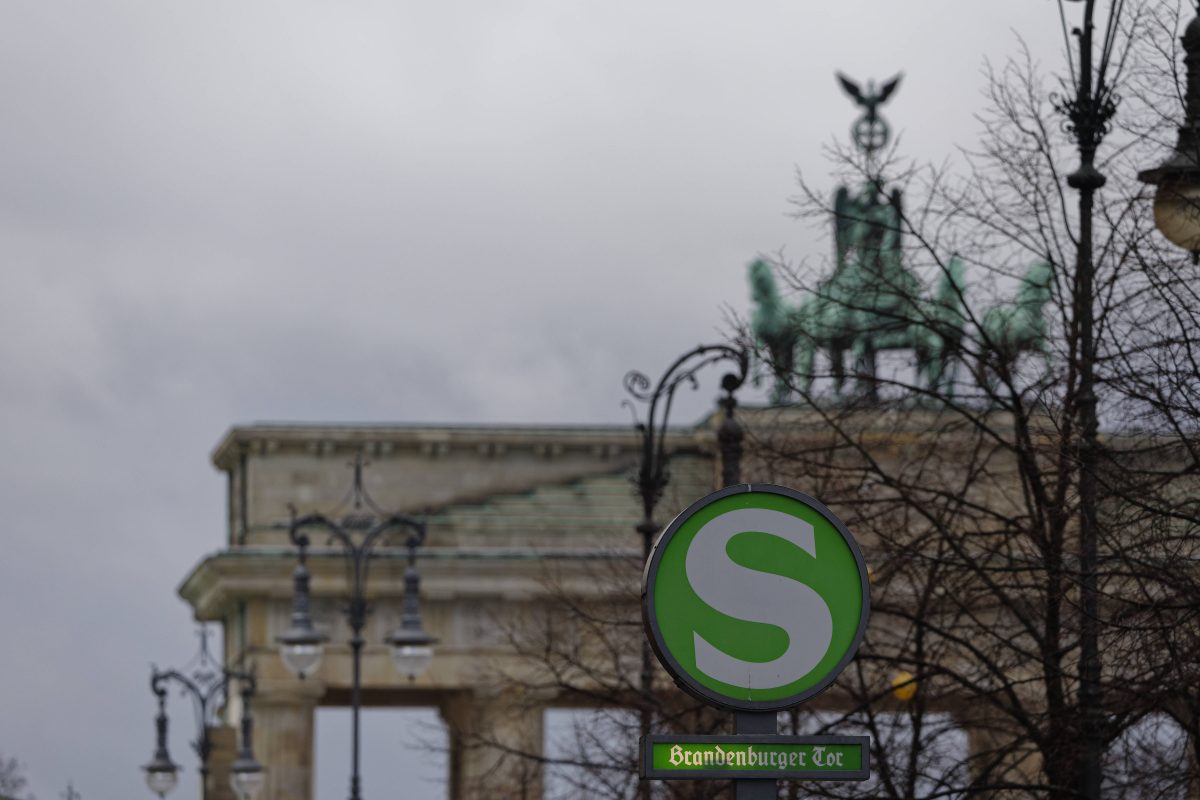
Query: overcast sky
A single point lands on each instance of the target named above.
(465, 211)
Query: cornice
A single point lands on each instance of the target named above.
(607, 441)
(446, 572)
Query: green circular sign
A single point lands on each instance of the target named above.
(755, 598)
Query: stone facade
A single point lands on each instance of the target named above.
(507, 509)
(505, 506)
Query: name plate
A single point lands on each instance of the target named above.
(830, 758)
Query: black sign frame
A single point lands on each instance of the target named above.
(672, 666)
(647, 770)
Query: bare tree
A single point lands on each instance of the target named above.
(973, 483)
(1004, 406)
(579, 650)
(12, 780)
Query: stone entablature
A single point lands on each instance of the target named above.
(505, 507)
(508, 506)
(414, 469)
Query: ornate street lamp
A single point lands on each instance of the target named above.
(652, 474)
(412, 647)
(300, 645)
(1177, 196)
(1088, 111)
(358, 533)
(246, 774)
(207, 683)
(161, 773)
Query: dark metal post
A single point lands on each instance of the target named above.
(1088, 113)
(207, 683)
(207, 745)
(358, 614)
(756, 723)
(647, 528)
(161, 772)
(245, 773)
(247, 719)
(653, 476)
(160, 726)
(729, 437)
(355, 703)
(358, 533)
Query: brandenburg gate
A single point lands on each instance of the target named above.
(504, 505)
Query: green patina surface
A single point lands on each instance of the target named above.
(873, 302)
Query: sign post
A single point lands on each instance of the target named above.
(754, 599)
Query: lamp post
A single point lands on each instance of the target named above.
(653, 476)
(1177, 180)
(162, 773)
(207, 683)
(358, 532)
(1088, 113)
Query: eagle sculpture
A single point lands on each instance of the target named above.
(870, 100)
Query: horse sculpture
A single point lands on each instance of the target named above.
(1017, 326)
(873, 303)
(774, 323)
(837, 317)
(876, 296)
(933, 328)
(937, 336)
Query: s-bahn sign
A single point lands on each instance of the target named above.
(755, 598)
(828, 758)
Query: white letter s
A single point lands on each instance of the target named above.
(759, 597)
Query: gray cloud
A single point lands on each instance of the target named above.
(465, 211)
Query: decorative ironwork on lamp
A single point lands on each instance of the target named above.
(161, 773)
(207, 683)
(357, 532)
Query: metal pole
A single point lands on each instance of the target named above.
(729, 437)
(756, 723)
(357, 557)
(651, 482)
(356, 644)
(1089, 122)
(358, 615)
(647, 528)
(652, 475)
(204, 741)
(204, 688)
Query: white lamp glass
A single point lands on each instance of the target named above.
(161, 782)
(1177, 211)
(412, 659)
(301, 659)
(246, 785)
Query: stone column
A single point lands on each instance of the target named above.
(996, 753)
(489, 734)
(283, 739)
(224, 751)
